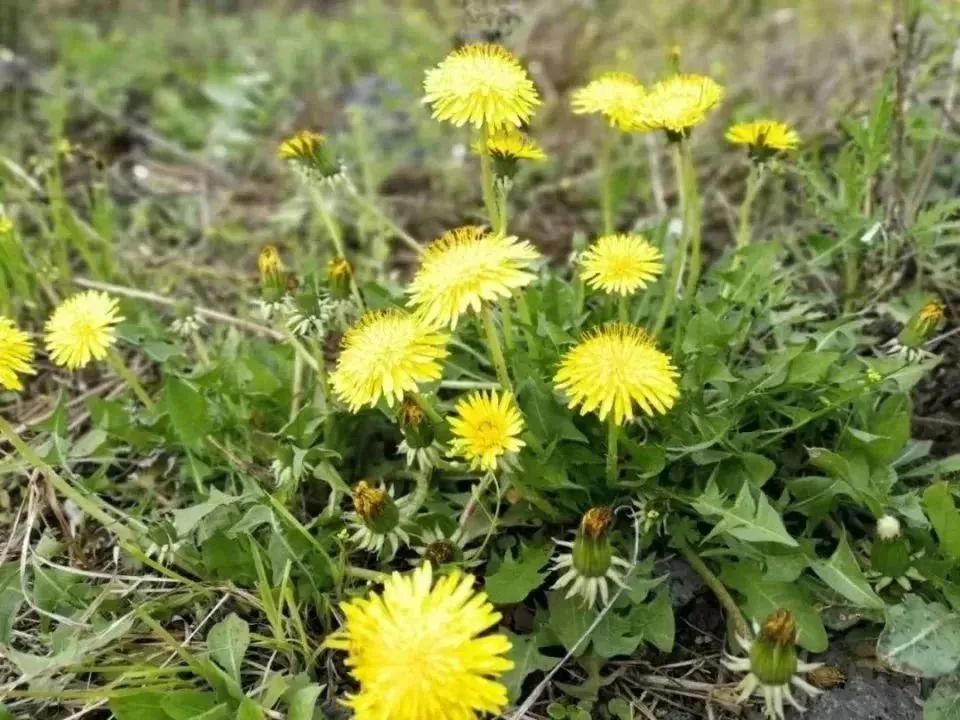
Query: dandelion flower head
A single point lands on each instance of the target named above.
(16, 355)
(481, 84)
(418, 650)
(615, 95)
(764, 136)
(621, 264)
(486, 427)
(678, 103)
(81, 329)
(615, 368)
(466, 267)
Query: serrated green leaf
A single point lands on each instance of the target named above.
(843, 574)
(654, 622)
(940, 508)
(747, 519)
(942, 466)
(517, 578)
(227, 642)
(143, 705)
(920, 638)
(527, 658)
(944, 701)
(187, 408)
(188, 704)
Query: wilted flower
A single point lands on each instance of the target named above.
(590, 566)
(376, 519)
(440, 548)
(481, 84)
(417, 652)
(772, 665)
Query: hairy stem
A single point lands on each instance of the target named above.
(713, 582)
(496, 350)
(613, 435)
(754, 182)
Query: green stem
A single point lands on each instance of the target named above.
(429, 409)
(502, 191)
(493, 345)
(131, 379)
(367, 204)
(419, 495)
(365, 574)
(92, 507)
(486, 176)
(337, 239)
(691, 225)
(606, 180)
(713, 582)
(613, 435)
(754, 182)
(623, 310)
(680, 255)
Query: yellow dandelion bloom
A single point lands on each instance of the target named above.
(621, 264)
(486, 427)
(16, 355)
(509, 144)
(615, 95)
(466, 267)
(81, 329)
(418, 652)
(678, 103)
(764, 136)
(481, 84)
(388, 353)
(614, 368)
(311, 152)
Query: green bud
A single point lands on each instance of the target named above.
(773, 655)
(592, 552)
(272, 284)
(417, 428)
(923, 324)
(890, 558)
(339, 277)
(375, 508)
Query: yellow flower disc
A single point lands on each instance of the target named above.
(466, 267)
(487, 426)
(481, 84)
(621, 264)
(764, 135)
(678, 103)
(81, 329)
(509, 144)
(615, 95)
(16, 355)
(388, 353)
(417, 652)
(614, 368)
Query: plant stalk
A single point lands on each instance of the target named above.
(131, 379)
(754, 182)
(713, 582)
(486, 176)
(613, 435)
(496, 350)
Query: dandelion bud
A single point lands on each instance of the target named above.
(271, 273)
(416, 426)
(440, 552)
(506, 148)
(339, 275)
(375, 507)
(923, 324)
(773, 655)
(310, 153)
(592, 552)
(890, 554)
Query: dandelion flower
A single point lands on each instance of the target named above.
(677, 104)
(772, 665)
(81, 329)
(621, 264)
(614, 368)
(388, 353)
(923, 324)
(509, 144)
(481, 84)
(417, 650)
(16, 355)
(615, 95)
(487, 427)
(311, 153)
(764, 137)
(466, 267)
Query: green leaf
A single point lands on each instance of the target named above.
(810, 367)
(143, 705)
(940, 508)
(302, 702)
(517, 578)
(654, 622)
(249, 710)
(746, 519)
(843, 574)
(527, 658)
(187, 408)
(568, 620)
(920, 638)
(228, 641)
(188, 704)
(943, 466)
(765, 596)
(944, 701)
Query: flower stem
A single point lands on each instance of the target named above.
(365, 574)
(92, 507)
(754, 181)
(419, 495)
(336, 238)
(680, 255)
(429, 409)
(713, 582)
(623, 310)
(606, 180)
(131, 379)
(613, 435)
(486, 175)
(493, 345)
(691, 224)
(367, 204)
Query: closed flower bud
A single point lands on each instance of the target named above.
(923, 324)
(271, 273)
(773, 655)
(339, 277)
(416, 426)
(311, 153)
(592, 552)
(375, 508)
